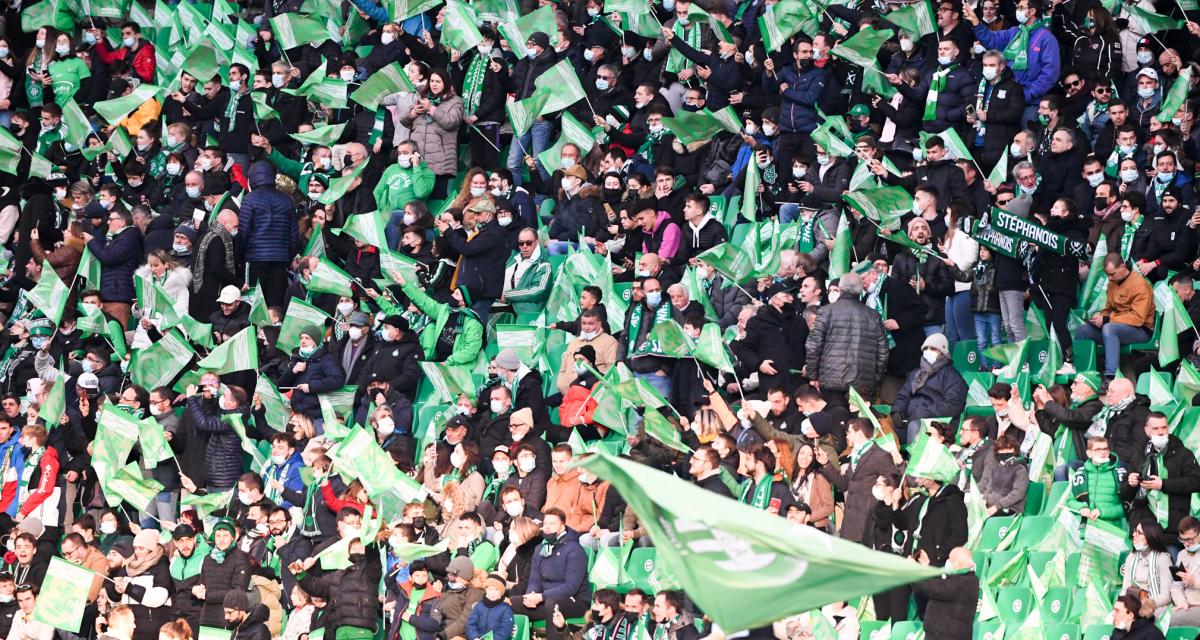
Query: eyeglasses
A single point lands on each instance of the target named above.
(526, 243)
(1076, 83)
(1103, 89)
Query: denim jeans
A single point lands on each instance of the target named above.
(164, 507)
(1012, 311)
(931, 329)
(987, 334)
(1111, 337)
(661, 384)
(563, 247)
(394, 229)
(959, 325)
(788, 212)
(535, 141)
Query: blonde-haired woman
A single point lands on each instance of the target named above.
(524, 536)
(163, 270)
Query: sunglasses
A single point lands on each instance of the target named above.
(526, 243)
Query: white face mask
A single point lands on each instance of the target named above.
(347, 74)
(278, 460)
(388, 37)
(769, 130)
(567, 163)
(877, 492)
(834, 296)
(1127, 216)
(930, 356)
(457, 460)
(62, 49)
(514, 509)
(277, 80)
(497, 406)
(1129, 175)
(906, 45)
(244, 498)
(1095, 179)
(345, 308)
(356, 333)
(405, 160)
(108, 527)
(385, 426)
(526, 464)
(477, 192)
(1159, 442)
(588, 335)
(173, 168)
(504, 221)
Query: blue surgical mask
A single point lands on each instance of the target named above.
(653, 298)
(277, 80)
(1145, 92)
(88, 38)
(601, 83)
(235, 85)
(307, 351)
(192, 192)
(179, 248)
(3, 52)
(1165, 177)
(128, 42)
(39, 342)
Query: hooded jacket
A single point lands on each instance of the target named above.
(322, 374)
(119, 258)
(267, 231)
(351, 593)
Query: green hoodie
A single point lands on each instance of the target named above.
(1101, 483)
(183, 568)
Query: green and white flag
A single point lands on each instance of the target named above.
(400, 10)
(932, 460)
(573, 132)
(884, 205)
(361, 456)
(206, 503)
(781, 21)
(1176, 97)
(751, 182)
(158, 364)
(276, 407)
(448, 381)
(729, 261)
(115, 110)
(862, 47)
(689, 127)
(522, 113)
(459, 30)
(1146, 22)
(841, 256)
(300, 316)
(293, 30)
(710, 349)
(55, 404)
(411, 552)
(517, 32)
(327, 277)
(127, 484)
(50, 294)
(743, 567)
(563, 86)
(917, 19)
(89, 268)
(368, 227)
(153, 441)
(384, 82)
(238, 353)
(64, 595)
(340, 185)
(661, 429)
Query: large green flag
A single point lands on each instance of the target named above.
(238, 353)
(661, 429)
(399, 10)
(368, 228)
(883, 205)
(50, 294)
(449, 381)
(573, 132)
(293, 30)
(329, 278)
(300, 316)
(459, 30)
(55, 404)
(322, 89)
(729, 261)
(917, 19)
(410, 552)
(384, 82)
(64, 595)
(781, 21)
(841, 256)
(1143, 21)
(517, 32)
(89, 268)
(361, 456)
(276, 407)
(689, 127)
(522, 113)
(1176, 97)
(340, 185)
(153, 441)
(751, 199)
(743, 567)
(563, 86)
(127, 484)
(1187, 382)
(115, 110)
(206, 503)
(116, 433)
(711, 350)
(862, 47)
(160, 363)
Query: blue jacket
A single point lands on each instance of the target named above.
(322, 374)
(562, 574)
(15, 456)
(119, 258)
(1042, 73)
(267, 231)
(496, 619)
(798, 107)
(944, 394)
(291, 480)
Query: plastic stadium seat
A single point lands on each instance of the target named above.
(1013, 604)
(1056, 605)
(642, 561)
(1098, 632)
(1035, 497)
(989, 630)
(966, 356)
(1183, 633)
(1056, 493)
(1084, 354)
(907, 630)
(994, 531)
(520, 628)
(1033, 529)
(874, 630)
(1061, 631)
(1149, 345)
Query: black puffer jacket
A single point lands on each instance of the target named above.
(351, 593)
(944, 393)
(254, 627)
(395, 362)
(223, 455)
(950, 614)
(581, 212)
(847, 347)
(321, 373)
(220, 579)
(1125, 429)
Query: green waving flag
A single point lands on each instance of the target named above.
(1175, 98)
(238, 353)
(64, 595)
(862, 47)
(115, 110)
(50, 294)
(743, 567)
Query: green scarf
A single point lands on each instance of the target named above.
(407, 631)
(646, 150)
(1017, 51)
(1127, 236)
(217, 555)
(762, 492)
(548, 546)
(473, 84)
(648, 346)
(935, 87)
(691, 35)
(231, 111)
(31, 465)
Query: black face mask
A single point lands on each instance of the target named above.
(612, 195)
(356, 558)
(418, 523)
(347, 160)
(1101, 203)
(805, 63)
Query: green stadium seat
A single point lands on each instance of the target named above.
(1033, 529)
(1013, 604)
(591, 556)
(1061, 631)
(907, 630)
(966, 356)
(1098, 632)
(1149, 345)
(997, 560)
(640, 566)
(520, 628)
(1083, 352)
(1056, 605)
(1035, 497)
(1183, 633)
(989, 630)
(546, 210)
(739, 234)
(994, 531)
(874, 630)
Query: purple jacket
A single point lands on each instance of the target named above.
(1042, 73)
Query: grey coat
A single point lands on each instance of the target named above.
(726, 301)
(436, 135)
(847, 347)
(856, 485)
(1005, 482)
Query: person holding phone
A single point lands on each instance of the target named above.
(1163, 476)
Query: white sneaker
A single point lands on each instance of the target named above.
(1065, 370)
